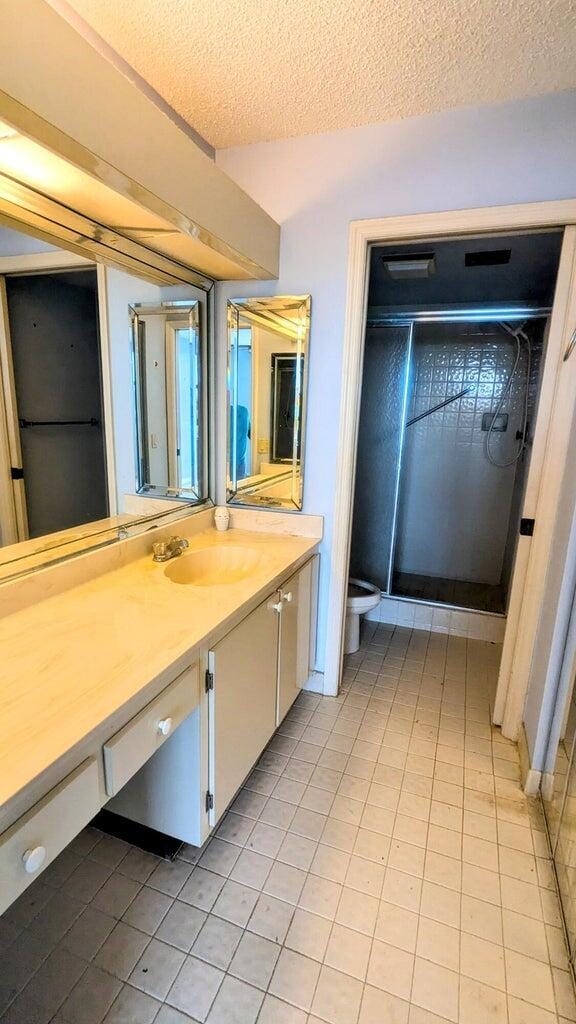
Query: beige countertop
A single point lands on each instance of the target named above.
(70, 662)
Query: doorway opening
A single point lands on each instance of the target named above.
(454, 347)
(54, 351)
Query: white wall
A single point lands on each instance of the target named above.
(16, 243)
(315, 185)
(122, 291)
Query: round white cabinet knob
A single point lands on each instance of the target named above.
(165, 726)
(287, 597)
(34, 859)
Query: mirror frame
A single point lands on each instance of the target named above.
(269, 307)
(146, 488)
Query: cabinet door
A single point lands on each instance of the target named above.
(294, 653)
(243, 701)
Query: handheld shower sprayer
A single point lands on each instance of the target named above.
(517, 333)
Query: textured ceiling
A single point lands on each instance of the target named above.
(242, 71)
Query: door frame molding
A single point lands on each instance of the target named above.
(531, 563)
(13, 516)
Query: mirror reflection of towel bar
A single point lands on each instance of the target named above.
(440, 405)
(59, 423)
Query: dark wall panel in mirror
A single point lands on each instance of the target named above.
(268, 342)
(55, 354)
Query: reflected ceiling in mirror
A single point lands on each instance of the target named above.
(268, 342)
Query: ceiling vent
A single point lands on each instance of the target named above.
(487, 258)
(407, 266)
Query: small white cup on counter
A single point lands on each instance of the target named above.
(221, 519)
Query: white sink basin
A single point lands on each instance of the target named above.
(213, 566)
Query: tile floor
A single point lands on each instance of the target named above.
(380, 866)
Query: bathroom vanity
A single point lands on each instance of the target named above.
(150, 689)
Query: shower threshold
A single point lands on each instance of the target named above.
(446, 593)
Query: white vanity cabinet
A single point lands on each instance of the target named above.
(294, 638)
(242, 701)
(255, 675)
(222, 711)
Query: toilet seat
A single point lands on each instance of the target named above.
(362, 596)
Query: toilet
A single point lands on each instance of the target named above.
(362, 597)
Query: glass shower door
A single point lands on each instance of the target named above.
(380, 438)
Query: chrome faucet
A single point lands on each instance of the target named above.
(164, 550)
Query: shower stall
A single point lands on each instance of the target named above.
(449, 400)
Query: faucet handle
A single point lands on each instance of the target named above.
(178, 542)
(159, 549)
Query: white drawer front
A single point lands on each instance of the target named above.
(40, 835)
(130, 748)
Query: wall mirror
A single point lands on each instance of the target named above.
(170, 392)
(268, 342)
(103, 411)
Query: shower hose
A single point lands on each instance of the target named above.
(517, 334)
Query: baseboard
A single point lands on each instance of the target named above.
(314, 683)
(438, 619)
(529, 777)
(547, 786)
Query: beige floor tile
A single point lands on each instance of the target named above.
(481, 919)
(295, 978)
(402, 889)
(483, 961)
(357, 910)
(365, 875)
(330, 863)
(481, 883)
(436, 989)
(564, 991)
(397, 926)
(439, 943)
(440, 904)
(525, 935)
(409, 830)
(530, 980)
(480, 1004)
(380, 1007)
(337, 997)
(407, 857)
(444, 841)
(520, 1012)
(309, 934)
(348, 951)
(391, 969)
(320, 896)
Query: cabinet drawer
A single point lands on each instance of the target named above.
(41, 834)
(130, 748)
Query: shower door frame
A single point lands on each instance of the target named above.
(490, 314)
(556, 411)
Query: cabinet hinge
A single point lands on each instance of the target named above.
(208, 680)
(527, 527)
(209, 801)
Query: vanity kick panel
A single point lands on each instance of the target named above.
(33, 842)
(130, 748)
